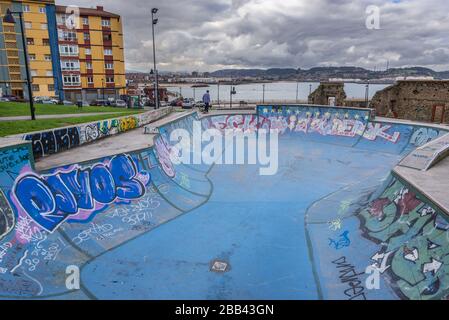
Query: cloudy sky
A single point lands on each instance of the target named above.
(206, 35)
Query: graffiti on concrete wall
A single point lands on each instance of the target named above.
(7, 218)
(415, 242)
(57, 140)
(45, 143)
(104, 204)
(78, 192)
(12, 161)
(164, 155)
(424, 135)
(245, 123)
(326, 122)
(337, 122)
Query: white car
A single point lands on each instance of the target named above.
(120, 104)
(187, 104)
(50, 101)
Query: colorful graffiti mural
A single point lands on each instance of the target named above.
(49, 200)
(67, 215)
(77, 214)
(58, 140)
(414, 239)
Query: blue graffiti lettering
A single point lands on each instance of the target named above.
(50, 200)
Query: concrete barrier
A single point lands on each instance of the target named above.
(48, 142)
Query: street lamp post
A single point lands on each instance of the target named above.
(297, 92)
(218, 89)
(263, 93)
(367, 95)
(156, 83)
(9, 18)
(102, 87)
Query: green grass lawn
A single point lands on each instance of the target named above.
(15, 127)
(13, 109)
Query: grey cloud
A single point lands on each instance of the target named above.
(210, 34)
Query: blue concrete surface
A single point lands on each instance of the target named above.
(308, 232)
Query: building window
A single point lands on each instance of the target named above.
(33, 73)
(44, 26)
(51, 87)
(89, 65)
(49, 73)
(70, 65)
(28, 25)
(30, 41)
(90, 80)
(108, 52)
(67, 50)
(88, 51)
(71, 80)
(109, 66)
(85, 21)
(42, 10)
(109, 79)
(26, 8)
(45, 42)
(35, 88)
(86, 36)
(47, 57)
(106, 23)
(67, 35)
(32, 57)
(107, 37)
(61, 19)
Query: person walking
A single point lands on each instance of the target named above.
(206, 101)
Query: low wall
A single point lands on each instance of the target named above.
(45, 143)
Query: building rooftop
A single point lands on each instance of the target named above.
(97, 12)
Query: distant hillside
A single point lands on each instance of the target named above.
(324, 73)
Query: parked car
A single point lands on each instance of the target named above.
(176, 103)
(3, 99)
(68, 103)
(50, 101)
(10, 98)
(188, 104)
(119, 104)
(100, 103)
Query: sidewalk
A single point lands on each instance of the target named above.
(121, 143)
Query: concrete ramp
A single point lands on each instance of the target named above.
(427, 156)
(136, 225)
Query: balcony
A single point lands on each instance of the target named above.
(69, 54)
(72, 84)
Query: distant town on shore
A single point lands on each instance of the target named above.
(346, 74)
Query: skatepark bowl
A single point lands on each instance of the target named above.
(334, 222)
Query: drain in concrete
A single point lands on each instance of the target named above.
(219, 266)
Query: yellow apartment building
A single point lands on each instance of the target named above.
(42, 49)
(91, 53)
